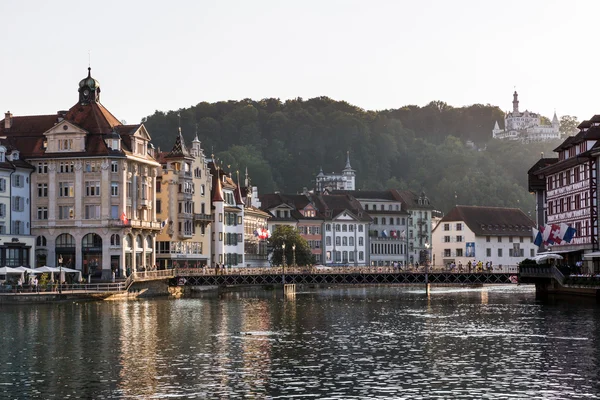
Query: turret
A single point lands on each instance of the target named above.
(515, 102)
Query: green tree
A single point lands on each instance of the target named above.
(568, 125)
(289, 236)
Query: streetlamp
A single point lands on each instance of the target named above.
(427, 245)
(283, 267)
(60, 261)
(294, 254)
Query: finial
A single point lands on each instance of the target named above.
(179, 117)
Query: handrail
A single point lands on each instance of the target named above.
(558, 275)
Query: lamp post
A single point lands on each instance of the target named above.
(427, 245)
(283, 268)
(294, 255)
(60, 261)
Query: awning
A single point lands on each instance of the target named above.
(593, 254)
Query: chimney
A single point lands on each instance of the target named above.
(7, 120)
(61, 115)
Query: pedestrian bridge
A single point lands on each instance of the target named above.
(335, 276)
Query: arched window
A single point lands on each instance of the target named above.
(115, 240)
(344, 228)
(40, 241)
(138, 241)
(351, 240)
(91, 240)
(65, 240)
(149, 242)
(128, 242)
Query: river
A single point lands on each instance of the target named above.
(336, 343)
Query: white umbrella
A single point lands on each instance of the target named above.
(74, 271)
(544, 257)
(9, 270)
(28, 270)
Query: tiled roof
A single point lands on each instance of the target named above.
(92, 117)
(534, 180)
(333, 205)
(491, 221)
(179, 149)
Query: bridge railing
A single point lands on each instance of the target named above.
(153, 275)
(333, 270)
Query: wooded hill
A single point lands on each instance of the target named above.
(283, 145)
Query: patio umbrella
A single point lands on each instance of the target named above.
(9, 270)
(545, 257)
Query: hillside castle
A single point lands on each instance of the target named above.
(526, 126)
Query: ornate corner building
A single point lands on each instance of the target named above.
(93, 186)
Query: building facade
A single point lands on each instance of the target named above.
(184, 205)
(227, 244)
(255, 225)
(95, 177)
(526, 126)
(487, 234)
(17, 245)
(566, 189)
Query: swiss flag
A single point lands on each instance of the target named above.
(555, 236)
(124, 218)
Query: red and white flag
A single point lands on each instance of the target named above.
(124, 218)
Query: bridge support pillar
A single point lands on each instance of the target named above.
(289, 288)
(427, 288)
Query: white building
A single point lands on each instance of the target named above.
(333, 181)
(17, 246)
(470, 233)
(526, 126)
(228, 219)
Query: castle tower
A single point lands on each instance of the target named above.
(515, 102)
(555, 123)
(349, 173)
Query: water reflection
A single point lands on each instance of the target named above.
(338, 343)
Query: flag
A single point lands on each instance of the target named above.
(567, 232)
(403, 234)
(394, 234)
(124, 218)
(164, 223)
(554, 237)
(384, 233)
(537, 237)
(545, 233)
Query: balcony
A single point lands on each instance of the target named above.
(184, 196)
(185, 235)
(202, 218)
(144, 224)
(117, 223)
(144, 202)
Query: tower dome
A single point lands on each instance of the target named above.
(89, 89)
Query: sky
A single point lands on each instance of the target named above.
(164, 55)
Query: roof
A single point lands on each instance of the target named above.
(333, 205)
(179, 149)
(296, 202)
(534, 180)
(491, 221)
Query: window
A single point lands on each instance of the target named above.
(446, 239)
(459, 226)
(351, 228)
(328, 241)
(351, 241)
(531, 252)
(66, 212)
(338, 241)
(499, 252)
(361, 241)
(42, 168)
(361, 256)
(202, 190)
(499, 239)
(114, 211)
(447, 253)
(375, 221)
(351, 256)
(65, 144)
(18, 203)
(2, 210)
(447, 228)
(510, 239)
(17, 227)
(42, 213)
(459, 252)
(66, 167)
(344, 228)
(337, 227)
(382, 220)
(92, 211)
(18, 180)
(344, 241)
(158, 206)
(92, 188)
(488, 252)
(488, 239)
(40, 241)
(66, 189)
(114, 166)
(360, 228)
(114, 189)
(2, 185)
(42, 189)
(459, 239)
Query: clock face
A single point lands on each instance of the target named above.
(86, 93)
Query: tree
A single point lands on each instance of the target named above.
(568, 125)
(290, 236)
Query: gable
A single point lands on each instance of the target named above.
(142, 133)
(345, 216)
(65, 127)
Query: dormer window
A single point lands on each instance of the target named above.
(65, 144)
(113, 144)
(15, 155)
(141, 148)
(2, 154)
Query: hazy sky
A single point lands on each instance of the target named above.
(163, 55)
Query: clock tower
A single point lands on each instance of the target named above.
(89, 89)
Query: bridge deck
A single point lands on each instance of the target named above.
(343, 279)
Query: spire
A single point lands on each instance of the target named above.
(179, 149)
(496, 127)
(218, 190)
(515, 102)
(321, 171)
(246, 179)
(348, 166)
(555, 119)
(238, 191)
